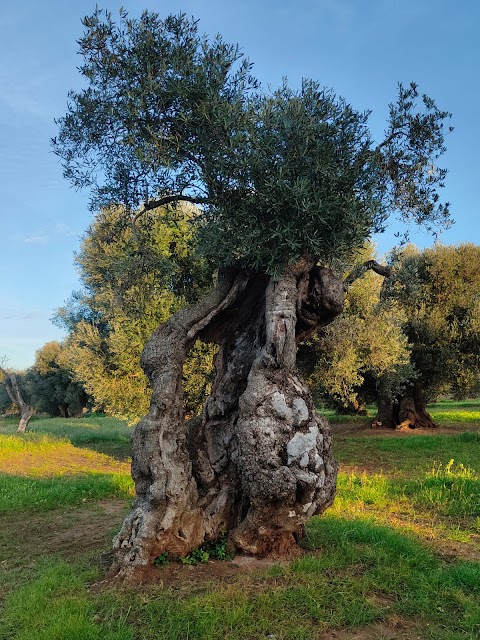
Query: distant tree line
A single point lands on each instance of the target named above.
(48, 387)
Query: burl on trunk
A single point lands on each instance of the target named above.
(257, 463)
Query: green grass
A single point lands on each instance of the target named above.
(450, 489)
(43, 494)
(412, 454)
(444, 413)
(374, 562)
(360, 574)
(99, 432)
(75, 454)
(56, 605)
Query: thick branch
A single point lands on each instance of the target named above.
(162, 202)
(381, 269)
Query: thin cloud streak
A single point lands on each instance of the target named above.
(41, 240)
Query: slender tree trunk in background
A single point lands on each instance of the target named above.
(413, 410)
(13, 390)
(257, 463)
(25, 415)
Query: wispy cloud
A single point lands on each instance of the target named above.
(64, 230)
(36, 240)
(33, 315)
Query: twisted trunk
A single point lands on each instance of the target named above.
(413, 412)
(257, 463)
(408, 412)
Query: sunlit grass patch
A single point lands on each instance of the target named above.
(445, 417)
(44, 456)
(409, 456)
(78, 430)
(20, 493)
(368, 489)
(450, 489)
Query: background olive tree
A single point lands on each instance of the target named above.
(351, 361)
(437, 290)
(132, 282)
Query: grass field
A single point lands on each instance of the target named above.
(396, 557)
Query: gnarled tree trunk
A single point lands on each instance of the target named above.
(407, 412)
(257, 463)
(385, 413)
(413, 412)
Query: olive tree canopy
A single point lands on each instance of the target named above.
(170, 115)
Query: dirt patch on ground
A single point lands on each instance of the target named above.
(70, 533)
(176, 575)
(394, 628)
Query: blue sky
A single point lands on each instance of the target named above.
(361, 48)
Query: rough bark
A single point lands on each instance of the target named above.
(407, 412)
(13, 390)
(413, 410)
(257, 463)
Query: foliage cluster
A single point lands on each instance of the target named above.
(169, 115)
(133, 281)
(421, 324)
(363, 352)
(50, 385)
(438, 291)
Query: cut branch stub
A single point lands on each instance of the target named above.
(320, 300)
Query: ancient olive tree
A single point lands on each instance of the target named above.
(438, 292)
(288, 182)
